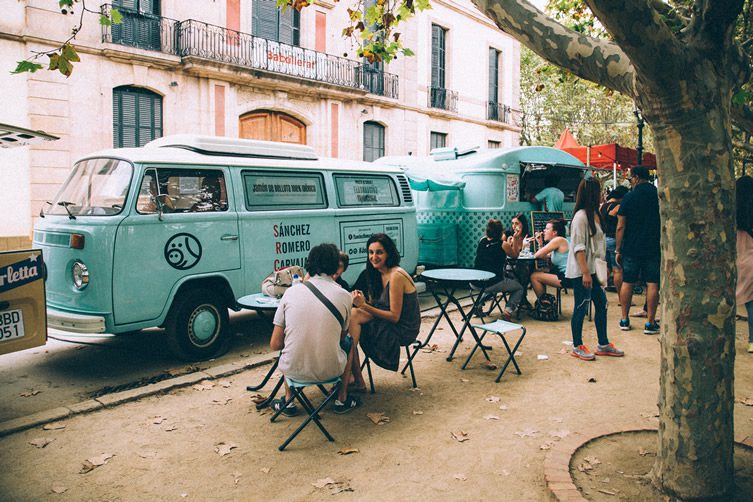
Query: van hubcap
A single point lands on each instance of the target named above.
(203, 325)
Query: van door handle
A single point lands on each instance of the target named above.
(228, 237)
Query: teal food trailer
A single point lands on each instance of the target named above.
(456, 192)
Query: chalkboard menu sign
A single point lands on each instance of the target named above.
(539, 220)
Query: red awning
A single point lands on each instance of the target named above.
(605, 156)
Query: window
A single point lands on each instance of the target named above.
(354, 190)
(493, 112)
(494, 144)
(266, 190)
(373, 141)
(182, 191)
(273, 23)
(140, 26)
(437, 56)
(136, 116)
(437, 140)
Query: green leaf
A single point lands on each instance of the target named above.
(65, 67)
(70, 53)
(65, 3)
(104, 20)
(54, 61)
(741, 97)
(407, 52)
(27, 66)
(117, 17)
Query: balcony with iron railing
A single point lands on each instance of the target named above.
(502, 113)
(445, 99)
(196, 39)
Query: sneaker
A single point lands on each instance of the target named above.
(651, 329)
(582, 352)
(344, 407)
(750, 347)
(290, 410)
(608, 350)
(625, 324)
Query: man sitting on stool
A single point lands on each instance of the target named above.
(315, 347)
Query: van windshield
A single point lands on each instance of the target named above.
(96, 187)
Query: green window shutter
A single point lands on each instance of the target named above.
(265, 22)
(493, 76)
(137, 117)
(437, 56)
(373, 141)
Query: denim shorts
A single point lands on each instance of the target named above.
(611, 248)
(635, 267)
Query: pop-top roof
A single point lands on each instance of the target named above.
(235, 147)
(12, 136)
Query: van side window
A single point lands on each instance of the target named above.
(358, 190)
(183, 191)
(266, 190)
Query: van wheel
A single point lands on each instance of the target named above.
(198, 325)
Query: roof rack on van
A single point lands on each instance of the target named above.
(451, 153)
(235, 147)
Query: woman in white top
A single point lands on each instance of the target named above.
(586, 240)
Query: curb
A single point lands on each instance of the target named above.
(111, 400)
(560, 483)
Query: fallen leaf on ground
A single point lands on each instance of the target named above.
(55, 426)
(223, 401)
(348, 451)
(339, 487)
(559, 434)
(203, 385)
(147, 454)
(171, 428)
(378, 417)
(430, 348)
(542, 357)
(584, 467)
(527, 433)
(415, 389)
(225, 383)
(30, 393)
(490, 365)
(567, 342)
(643, 452)
(492, 399)
(606, 480)
(265, 470)
(158, 420)
(748, 401)
(418, 412)
(321, 483)
(503, 407)
(505, 472)
(518, 354)
(459, 436)
(236, 477)
(58, 488)
(607, 492)
(592, 460)
(491, 417)
(258, 398)
(265, 411)
(460, 477)
(41, 442)
(592, 380)
(223, 448)
(464, 380)
(563, 350)
(547, 445)
(92, 463)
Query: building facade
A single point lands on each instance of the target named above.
(243, 68)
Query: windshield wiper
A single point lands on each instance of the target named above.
(41, 209)
(65, 204)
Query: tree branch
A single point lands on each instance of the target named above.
(647, 40)
(593, 59)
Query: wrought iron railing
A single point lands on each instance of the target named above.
(445, 99)
(502, 113)
(142, 30)
(215, 43)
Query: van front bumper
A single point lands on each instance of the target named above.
(75, 323)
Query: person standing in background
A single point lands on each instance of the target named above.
(744, 291)
(551, 197)
(608, 213)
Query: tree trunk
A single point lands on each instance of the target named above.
(697, 206)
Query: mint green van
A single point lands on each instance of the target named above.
(171, 234)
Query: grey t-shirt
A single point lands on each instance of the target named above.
(312, 350)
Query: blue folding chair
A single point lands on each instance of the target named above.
(313, 413)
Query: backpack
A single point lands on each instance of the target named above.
(546, 308)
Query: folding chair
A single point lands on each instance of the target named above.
(297, 389)
(416, 345)
(496, 299)
(500, 328)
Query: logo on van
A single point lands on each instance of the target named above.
(183, 251)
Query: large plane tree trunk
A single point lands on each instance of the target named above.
(697, 204)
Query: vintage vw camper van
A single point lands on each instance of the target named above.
(172, 234)
(456, 192)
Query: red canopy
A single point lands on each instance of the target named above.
(604, 156)
(567, 140)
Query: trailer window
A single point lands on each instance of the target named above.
(265, 190)
(355, 190)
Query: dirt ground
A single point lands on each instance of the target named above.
(208, 442)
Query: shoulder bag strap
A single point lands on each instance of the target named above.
(326, 303)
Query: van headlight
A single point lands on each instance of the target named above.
(80, 275)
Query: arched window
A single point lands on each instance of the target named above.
(136, 116)
(373, 141)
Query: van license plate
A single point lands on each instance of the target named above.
(11, 325)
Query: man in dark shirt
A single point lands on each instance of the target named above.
(637, 236)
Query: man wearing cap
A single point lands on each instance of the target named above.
(638, 252)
